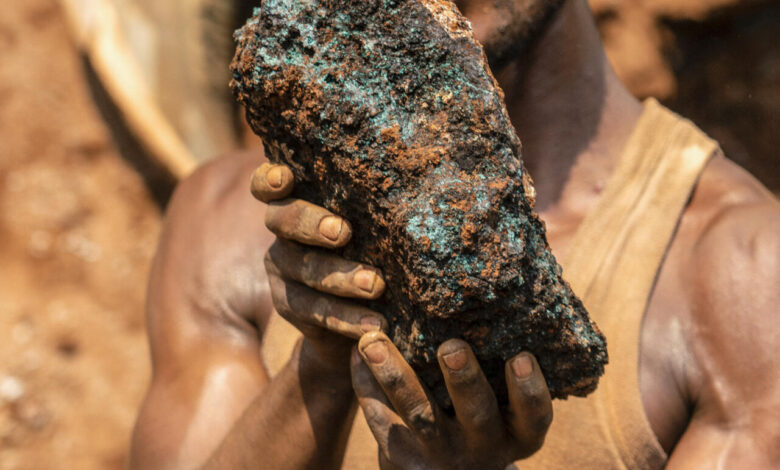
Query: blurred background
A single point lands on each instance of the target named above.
(105, 104)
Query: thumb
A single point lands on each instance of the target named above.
(529, 402)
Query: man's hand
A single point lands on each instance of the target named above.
(414, 434)
(309, 286)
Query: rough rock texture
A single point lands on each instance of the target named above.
(388, 114)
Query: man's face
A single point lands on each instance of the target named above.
(506, 27)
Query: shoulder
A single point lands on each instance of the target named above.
(733, 273)
(737, 248)
(217, 179)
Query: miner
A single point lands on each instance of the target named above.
(674, 250)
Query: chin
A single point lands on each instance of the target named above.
(507, 28)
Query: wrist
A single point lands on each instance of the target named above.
(329, 364)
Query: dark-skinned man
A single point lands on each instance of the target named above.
(674, 250)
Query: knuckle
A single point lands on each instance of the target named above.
(421, 412)
(392, 379)
(480, 418)
(281, 305)
(268, 261)
(308, 269)
(361, 381)
(537, 389)
(426, 431)
(467, 379)
(272, 217)
(375, 414)
(274, 252)
(321, 310)
(311, 212)
(535, 395)
(422, 422)
(297, 303)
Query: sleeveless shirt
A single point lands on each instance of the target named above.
(612, 265)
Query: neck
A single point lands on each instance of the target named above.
(571, 112)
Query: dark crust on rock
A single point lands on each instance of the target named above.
(389, 116)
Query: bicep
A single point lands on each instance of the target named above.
(200, 387)
(734, 339)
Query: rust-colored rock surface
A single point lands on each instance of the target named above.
(388, 114)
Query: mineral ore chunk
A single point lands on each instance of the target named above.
(388, 115)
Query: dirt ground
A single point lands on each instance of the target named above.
(77, 231)
(78, 224)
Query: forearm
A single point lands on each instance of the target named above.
(300, 421)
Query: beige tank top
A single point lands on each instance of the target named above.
(615, 257)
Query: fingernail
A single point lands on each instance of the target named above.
(330, 227)
(523, 367)
(368, 324)
(455, 360)
(376, 352)
(274, 177)
(365, 280)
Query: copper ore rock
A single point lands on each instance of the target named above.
(388, 114)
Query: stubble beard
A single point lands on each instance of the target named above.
(518, 23)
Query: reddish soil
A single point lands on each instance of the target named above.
(77, 231)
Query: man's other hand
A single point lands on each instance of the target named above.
(413, 433)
